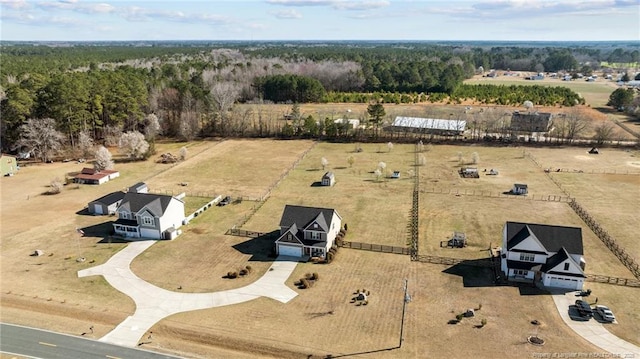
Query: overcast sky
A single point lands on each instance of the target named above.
(536, 20)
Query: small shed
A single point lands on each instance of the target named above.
(106, 204)
(139, 187)
(458, 240)
(8, 165)
(469, 172)
(520, 188)
(329, 179)
(395, 174)
(94, 176)
(594, 151)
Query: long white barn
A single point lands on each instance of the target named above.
(429, 125)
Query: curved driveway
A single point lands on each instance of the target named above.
(593, 331)
(154, 303)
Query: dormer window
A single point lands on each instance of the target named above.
(315, 225)
(148, 221)
(566, 266)
(289, 237)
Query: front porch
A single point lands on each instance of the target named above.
(126, 228)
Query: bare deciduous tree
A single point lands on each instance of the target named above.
(324, 162)
(351, 160)
(40, 137)
(183, 153)
(382, 166)
(111, 135)
(420, 146)
(103, 159)
(390, 146)
(378, 174)
(475, 158)
(152, 127)
(189, 125)
(133, 144)
(604, 133)
(85, 143)
(422, 160)
(55, 186)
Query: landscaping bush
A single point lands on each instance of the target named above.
(483, 322)
(315, 276)
(243, 272)
(459, 317)
(232, 275)
(304, 284)
(248, 268)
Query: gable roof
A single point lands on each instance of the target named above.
(553, 238)
(138, 187)
(304, 216)
(88, 173)
(110, 198)
(556, 259)
(156, 204)
(430, 123)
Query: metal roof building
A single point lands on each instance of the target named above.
(429, 125)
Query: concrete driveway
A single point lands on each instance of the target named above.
(592, 330)
(154, 303)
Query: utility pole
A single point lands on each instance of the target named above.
(405, 299)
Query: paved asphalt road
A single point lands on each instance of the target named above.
(37, 343)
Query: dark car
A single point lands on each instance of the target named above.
(225, 201)
(584, 309)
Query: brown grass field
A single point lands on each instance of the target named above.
(45, 291)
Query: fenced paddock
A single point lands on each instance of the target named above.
(489, 194)
(376, 247)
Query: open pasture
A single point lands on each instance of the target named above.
(239, 168)
(320, 320)
(375, 210)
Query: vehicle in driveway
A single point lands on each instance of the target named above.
(605, 313)
(225, 201)
(584, 309)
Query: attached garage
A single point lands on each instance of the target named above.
(149, 233)
(563, 282)
(291, 251)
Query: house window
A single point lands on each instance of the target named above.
(124, 215)
(566, 266)
(520, 272)
(147, 221)
(527, 257)
(289, 237)
(316, 235)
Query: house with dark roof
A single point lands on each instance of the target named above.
(307, 231)
(94, 176)
(107, 204)
(549, 255)
(147, 215)
(530, 122)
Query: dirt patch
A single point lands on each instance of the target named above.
(583, 158)
(634, 164)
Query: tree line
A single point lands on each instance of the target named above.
(103, 91)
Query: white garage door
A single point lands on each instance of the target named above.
(289, 251)
(97, 209)
(563, 283)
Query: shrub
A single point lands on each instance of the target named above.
(304, 284)
(459, 317)
(315, 276)
(479, 306)
(308, 276)
(483, 322)
(248, 268)
(232, 275)
(243, 272)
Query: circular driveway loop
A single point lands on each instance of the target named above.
(154, 303)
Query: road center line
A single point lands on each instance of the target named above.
(47, 344)
(111, 357)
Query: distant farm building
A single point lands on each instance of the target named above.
(530, 122)
(469, 172)
(8, 165)
(520, 188)
(350, 123)
(429, 125)
(329, 179)
(93, 176)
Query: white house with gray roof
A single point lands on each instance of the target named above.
(307, 231)
(146, 215)
(544, 254)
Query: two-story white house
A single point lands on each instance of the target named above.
(307, 231)
(543, 254)
(146, 215)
